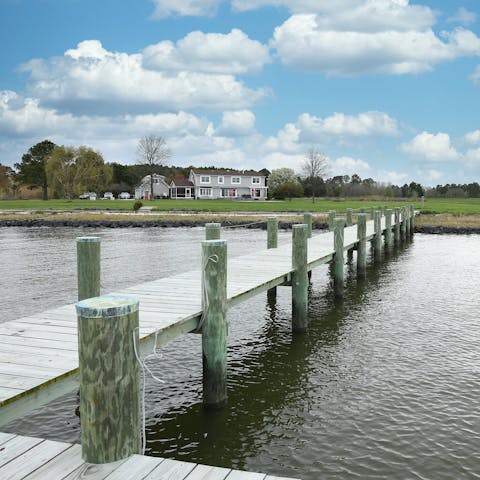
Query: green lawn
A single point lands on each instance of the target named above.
(451, 205)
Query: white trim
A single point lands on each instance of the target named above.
(207, 191)
(221, 180)
(239, 180)
(259, 183)
(205, 182)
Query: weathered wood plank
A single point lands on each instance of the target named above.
(15, 447)
(205, 472)
(171, 470)
(136, 466)
(238, 475)
(60, 466)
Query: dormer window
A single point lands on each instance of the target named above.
(204, 178)
(236, 179)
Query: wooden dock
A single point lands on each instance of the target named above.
(38, 459)
(39, 354)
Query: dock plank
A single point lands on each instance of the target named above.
(16, 446)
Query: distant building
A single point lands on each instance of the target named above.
(210, 184)
(182, 188)
(160, 188)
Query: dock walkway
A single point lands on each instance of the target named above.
(38, 459)
(39, 353)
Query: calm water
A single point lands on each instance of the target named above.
(385, 385)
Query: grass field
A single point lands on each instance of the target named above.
(454, 206)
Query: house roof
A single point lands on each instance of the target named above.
(239, 173)
(182, 182)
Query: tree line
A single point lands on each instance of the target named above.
(57, 171)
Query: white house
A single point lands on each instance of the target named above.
(227, 184)
(160, 188)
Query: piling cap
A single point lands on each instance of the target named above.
(107, 306)
(88, 239)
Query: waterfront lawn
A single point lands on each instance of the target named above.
(455, 206)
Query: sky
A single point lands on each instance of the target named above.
(387, 89)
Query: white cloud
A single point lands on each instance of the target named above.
(434, 174)
(167, 8)
(349, 166)
(463, 16)
(280, 160)
(473, 138)
(475, 75)
(303, 43)
(431, 147)
(361, 125)
(232, 53)
(91, 79)
(392, 176)
(237, 123)
(473, 157)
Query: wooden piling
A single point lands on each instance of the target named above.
(214, 326)
(299, 278)
(377, 240)
(307, 220)
(362, 243)
(412, 220)
(396, 229)
(212, 231)
(388, 228)
(338, 259)
(272, 242)
(349, 217)
(331, 218)
(109, 378)
(372, 213)
(88, 267)
(403, 224)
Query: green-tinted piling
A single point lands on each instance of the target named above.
(272, 242)
(396, 229)
(212, 231)
(214, 327)
(331, 218)
(377, 240)
(362, 210)
(407, 227)
(412, 220)
(109, 378)
(403, 223)
(307, 220)
(372, 213)
(299, 278)
(388, 228)
(349, 217)
(338, 259)
(362, 244)
(88, 267)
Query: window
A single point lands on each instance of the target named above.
(255, 180)
(229, 192)
(205, 179)
(220, 179)
(205, 192)
(256, 193)
(236, 180)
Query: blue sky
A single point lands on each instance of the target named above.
(388, 89)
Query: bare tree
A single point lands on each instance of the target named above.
(151, 151)
(314, 168)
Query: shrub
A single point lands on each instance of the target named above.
(137, 206)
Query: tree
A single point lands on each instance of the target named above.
(6, 180)
(32, 168)
(314, 168)
(152, 150)
(72, 171)
(279, 177)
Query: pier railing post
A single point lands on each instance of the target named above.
(212, 231)
(272, 242)
(377, 240)
(331, 219)
(407, 225)
(362, 243)
(299, 278)
(412, 220)
(349, 217)
(308, 221)
(388, 228)
(338, 259)
(109, 378)
(214, 327)
(88, 267)
(397, 226)
(403, 224)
